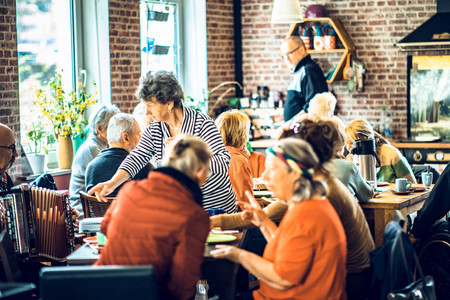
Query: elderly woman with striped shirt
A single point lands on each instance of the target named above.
(163, 97)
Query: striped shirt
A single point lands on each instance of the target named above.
(217, 191)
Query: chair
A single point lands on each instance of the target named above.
(92, 207)
(98, 282)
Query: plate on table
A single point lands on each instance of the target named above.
(91, 240)
(220, 238)
(382, 183)
(404, 192)
(259, 194)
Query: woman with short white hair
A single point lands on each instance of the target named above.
(96, 142)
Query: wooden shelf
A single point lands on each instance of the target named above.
(345, 39)
(327, 51)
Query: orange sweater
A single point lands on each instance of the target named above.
(308, 250)
(240, 173)
(257, 164)
(159, 221)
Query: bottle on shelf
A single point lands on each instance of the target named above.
(388, 131)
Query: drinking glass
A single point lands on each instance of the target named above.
(427, 179)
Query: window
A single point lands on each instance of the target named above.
(159, 37)
(173, 38)
(51, 38)
(44, 42)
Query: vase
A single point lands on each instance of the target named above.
(65, 152)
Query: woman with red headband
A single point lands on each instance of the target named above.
(305, 256)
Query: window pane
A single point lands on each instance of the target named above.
(44, 47)
(159, 37)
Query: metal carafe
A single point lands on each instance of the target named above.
(365, 158)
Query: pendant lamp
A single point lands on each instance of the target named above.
(286, 11)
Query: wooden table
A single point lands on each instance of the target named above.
(380, 210)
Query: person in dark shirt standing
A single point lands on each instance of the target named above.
(8, 154)
(308, 79)
(123, 135)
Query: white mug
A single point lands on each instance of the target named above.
(402, 184)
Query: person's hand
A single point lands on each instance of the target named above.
(75, 216)
(412, 238)
(228, 252)
(101, 190)
(252, 210)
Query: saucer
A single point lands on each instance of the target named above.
(404, 192)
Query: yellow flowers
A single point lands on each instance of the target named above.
(64, 113)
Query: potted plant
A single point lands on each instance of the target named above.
(65, 114)
(36, 155)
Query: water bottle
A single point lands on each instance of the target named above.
(388, 127)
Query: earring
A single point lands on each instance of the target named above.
(169, 110)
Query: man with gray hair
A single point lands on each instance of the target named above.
(307, 80)
(124, 134)
(96, 142)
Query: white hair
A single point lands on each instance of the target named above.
(102, 117)
(118, 125)
(322, 104)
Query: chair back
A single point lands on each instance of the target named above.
(98, 282)
(92, 207)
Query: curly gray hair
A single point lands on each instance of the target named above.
(162, 85)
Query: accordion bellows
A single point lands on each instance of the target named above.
(39, 222)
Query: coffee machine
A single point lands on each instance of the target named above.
(365, 158)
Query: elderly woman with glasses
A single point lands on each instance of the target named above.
(305, 256)
(163, 97)
(323, 135)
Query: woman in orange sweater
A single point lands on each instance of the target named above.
(160, 220)
(305, 256)
(234, 127)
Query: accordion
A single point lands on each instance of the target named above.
(39, 222)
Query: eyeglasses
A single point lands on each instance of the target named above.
(289, 53)
(12, 147)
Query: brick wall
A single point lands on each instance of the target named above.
(125, 54)
(9, 73)
(220, 45)
(374, 27)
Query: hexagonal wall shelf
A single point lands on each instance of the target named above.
(345, 39)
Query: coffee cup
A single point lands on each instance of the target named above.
(402, 184)
(427, 179)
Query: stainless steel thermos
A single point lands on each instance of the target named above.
(365, 158)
